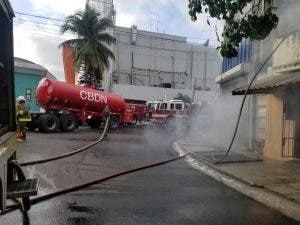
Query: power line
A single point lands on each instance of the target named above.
(167, 49)
(49, 31)
(56, 32)
(128, 32)
(108, 3)
(41, 17)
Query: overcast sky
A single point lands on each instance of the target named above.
(37, 40)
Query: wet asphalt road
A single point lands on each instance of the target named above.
(169, 194)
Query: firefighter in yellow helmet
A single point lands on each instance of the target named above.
(22, 116)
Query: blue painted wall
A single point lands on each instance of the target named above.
(24, 81)
(244, 54)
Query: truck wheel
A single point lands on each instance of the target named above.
(114, 123)
(48, 123)
(67, 123)
(135, 120)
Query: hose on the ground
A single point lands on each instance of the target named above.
(76, 151)
(246, 93)
(83, 185)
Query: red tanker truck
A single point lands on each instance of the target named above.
(68, 106)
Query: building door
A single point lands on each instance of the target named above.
(291, 123)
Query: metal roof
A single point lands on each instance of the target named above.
(264, 86)
(26, 66)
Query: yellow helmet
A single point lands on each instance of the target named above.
(20, 98)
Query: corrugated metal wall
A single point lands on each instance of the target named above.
(244, 54)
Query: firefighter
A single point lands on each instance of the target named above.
(22, 116)
(105, 115)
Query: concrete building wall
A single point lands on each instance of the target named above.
(153, 60)
(151, 93)
(104, 7)
(265, 112)
(274, 124)
(286, 61)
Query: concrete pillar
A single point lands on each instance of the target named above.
(273, 141)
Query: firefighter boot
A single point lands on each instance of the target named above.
(19, 137)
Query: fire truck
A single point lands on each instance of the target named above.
(13, 183)
(139, 109)
(67, 106)
(168, 112)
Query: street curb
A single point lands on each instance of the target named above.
(267, 197)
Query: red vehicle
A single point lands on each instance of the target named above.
(68, 106)
(169, 112)
(139, 109)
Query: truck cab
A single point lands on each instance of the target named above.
(168, 112)
(12, 178)
(172, 105)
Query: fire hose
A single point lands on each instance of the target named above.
(246, 93)
(86, 184)
(76, 151)
(102, 179)
(82, 185)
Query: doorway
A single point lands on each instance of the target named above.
(291, 122)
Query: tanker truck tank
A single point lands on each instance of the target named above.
(57, 95)
(67, 105)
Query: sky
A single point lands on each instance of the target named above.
(38, 39)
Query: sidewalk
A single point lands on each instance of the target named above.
(276, 178)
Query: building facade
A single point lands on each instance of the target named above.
(27, 76)
(164, 64)
(272, 110)
(156, 60)
(105, 8)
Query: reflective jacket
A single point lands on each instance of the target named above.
(23, 112)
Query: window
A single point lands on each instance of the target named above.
(172, 106)
(163, 106)
(28, 94)
(179, 106)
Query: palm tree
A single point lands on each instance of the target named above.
(91, 53)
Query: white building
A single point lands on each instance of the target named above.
(104, 7)
(152, 65)
(162, 61)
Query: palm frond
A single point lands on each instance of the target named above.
(106, 38)
(91, 49)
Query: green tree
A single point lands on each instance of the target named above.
(256, 23)
(91, 53)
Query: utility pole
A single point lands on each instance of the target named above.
(192, 65)
(205, 63)
(193, 97)
(173, 75)
(131, 73)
